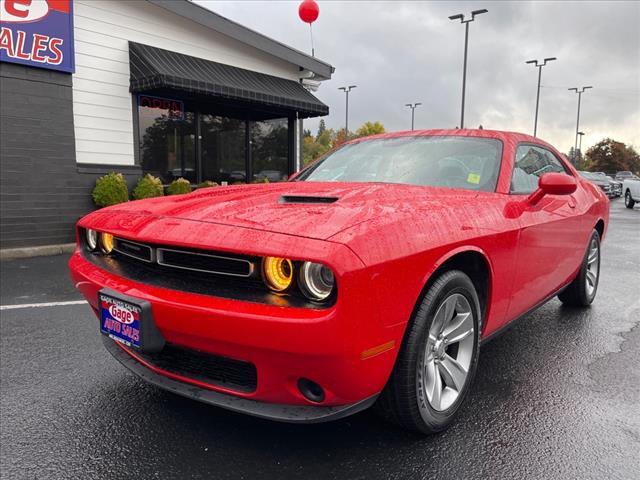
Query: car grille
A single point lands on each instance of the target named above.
(205, 367)
(203, 262)
(219, 264)
(133, 249)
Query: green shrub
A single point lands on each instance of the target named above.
(207, 184)
(110, 190)
(147, 187)
(179, 186)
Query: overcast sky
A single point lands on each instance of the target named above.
(401, 52)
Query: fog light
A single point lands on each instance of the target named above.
(277, 273)
(91, 236)
(106, 243)
(311, 390)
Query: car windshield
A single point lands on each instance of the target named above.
(439, 161)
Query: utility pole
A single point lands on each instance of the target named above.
(579, 92)
(412, 106)
(539, 65)
(346, 90)
(460, 17)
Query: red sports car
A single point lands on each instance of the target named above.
(373, 276)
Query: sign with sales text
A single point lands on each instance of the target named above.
(38, 33)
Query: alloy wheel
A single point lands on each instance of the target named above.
(444, 368)
(593, 267)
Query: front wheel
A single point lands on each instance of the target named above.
(582, 291)
(438, 358)
(629, 202)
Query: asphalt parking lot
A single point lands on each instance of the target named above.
(557, 396)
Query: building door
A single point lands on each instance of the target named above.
(223, 152)
(244, 151)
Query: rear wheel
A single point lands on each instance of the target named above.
(582, 291)
(438, 358)
(628, 201)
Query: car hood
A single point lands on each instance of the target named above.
(306, 209)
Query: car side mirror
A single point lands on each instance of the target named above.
(553, 184)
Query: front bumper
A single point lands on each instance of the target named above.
(270, 411)
(285, 344)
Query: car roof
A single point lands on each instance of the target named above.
(460, 132)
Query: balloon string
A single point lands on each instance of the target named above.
(313, 53)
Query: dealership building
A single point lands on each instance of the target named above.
(151, 86)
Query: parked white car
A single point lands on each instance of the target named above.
(631, 189)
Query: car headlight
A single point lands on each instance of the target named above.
(91, 237)
(106, 243)
(277, 273)
(316, 281)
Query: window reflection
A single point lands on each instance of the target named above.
(167, 145)
(169, 148)
(269, 150)
(223, 149)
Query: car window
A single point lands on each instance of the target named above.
(441, 161)
(530, 164)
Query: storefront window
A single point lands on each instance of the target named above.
(178, 140)
(269, 150)
(167, 140)
(223, 149)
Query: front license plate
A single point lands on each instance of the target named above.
(121, 320)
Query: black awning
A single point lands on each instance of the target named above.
(155, 68)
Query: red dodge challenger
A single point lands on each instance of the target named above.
(373, 276)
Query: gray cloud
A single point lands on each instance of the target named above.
(401, 52)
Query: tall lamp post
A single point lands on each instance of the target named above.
(412, 106)
(579, 92)
(346, 90)
(579, 153)
(539, 65)
(460, 17)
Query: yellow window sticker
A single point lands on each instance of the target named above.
(473, 178)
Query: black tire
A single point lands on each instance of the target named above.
(577, 294)
(402, 401)
(628, 201)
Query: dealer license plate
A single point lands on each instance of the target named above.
(120, 320)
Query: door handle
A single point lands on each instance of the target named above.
(572, 202)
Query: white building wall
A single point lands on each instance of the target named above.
(102, 104)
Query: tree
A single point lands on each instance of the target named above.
(322, 127)
(306, 133)
(609, 155)
(576, 158)
(327, 138)
(313, 148)
(370, 128)
(340, 137)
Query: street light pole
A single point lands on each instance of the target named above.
(580, 143)
(460, 17)
(539, 65)
(346, 90)
(579, 92)
(412, 106)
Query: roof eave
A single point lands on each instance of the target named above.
(209, 19)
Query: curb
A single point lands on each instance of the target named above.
(42, 251)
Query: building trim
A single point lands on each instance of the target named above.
(207, 18)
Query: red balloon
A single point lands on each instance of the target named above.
(309, 11)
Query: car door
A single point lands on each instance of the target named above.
(550, 241)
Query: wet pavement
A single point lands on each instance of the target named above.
(557, 396)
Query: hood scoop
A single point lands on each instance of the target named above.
(307, 199)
